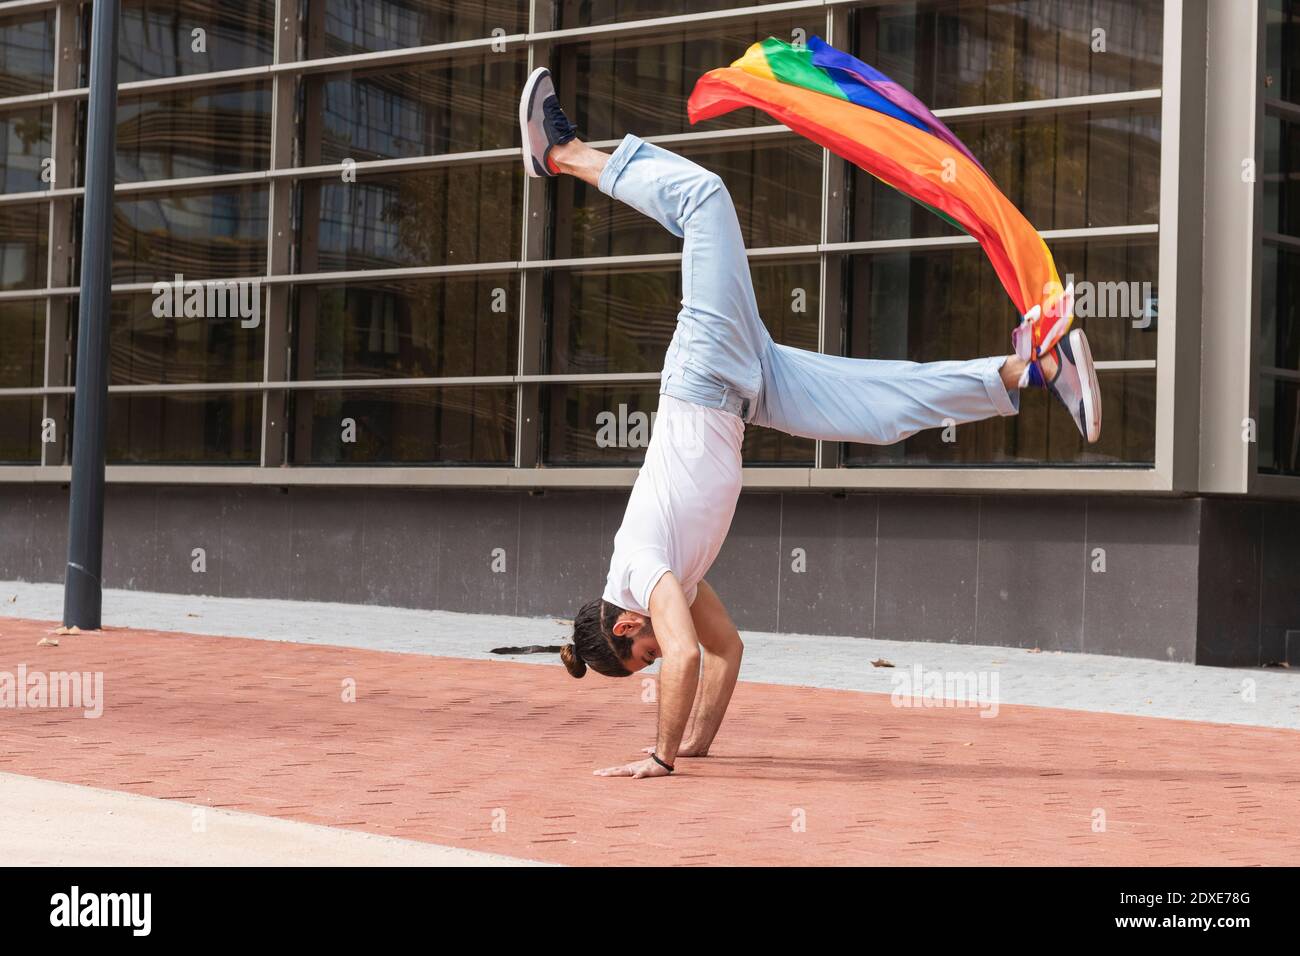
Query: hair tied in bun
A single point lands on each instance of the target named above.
(573, 661)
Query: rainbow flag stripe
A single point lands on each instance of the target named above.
(858, 113)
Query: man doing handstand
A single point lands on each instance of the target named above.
(723, 369)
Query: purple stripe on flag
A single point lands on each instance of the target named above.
(829, 58)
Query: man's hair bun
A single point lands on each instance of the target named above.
(573, 660)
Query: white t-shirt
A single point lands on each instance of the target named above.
(681, 504)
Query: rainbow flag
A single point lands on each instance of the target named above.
(858, 113)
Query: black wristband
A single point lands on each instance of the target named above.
(655, 757)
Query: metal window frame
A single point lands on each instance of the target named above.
(274, 277)
(1231, 265)
(1174, 237)
(20, 7)
(1182, 160)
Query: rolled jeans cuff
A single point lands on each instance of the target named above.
(620, 158)
(1006, 402)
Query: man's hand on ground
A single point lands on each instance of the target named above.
(643, 768)
(685, 750)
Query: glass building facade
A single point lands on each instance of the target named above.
(423, 304)
(1279, 312)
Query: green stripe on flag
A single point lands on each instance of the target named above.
(794, 65)
(942, 215)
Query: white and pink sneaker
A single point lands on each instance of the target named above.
(1067, 371)
(542, 123)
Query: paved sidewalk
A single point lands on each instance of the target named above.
(1257, 697)
(496, 756)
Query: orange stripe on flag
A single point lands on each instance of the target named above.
(908, 159)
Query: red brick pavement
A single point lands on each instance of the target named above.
(434, 747)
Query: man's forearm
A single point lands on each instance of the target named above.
(678, 679)
(698, 706)
(717, 682)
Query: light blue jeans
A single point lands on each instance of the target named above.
(722, 355)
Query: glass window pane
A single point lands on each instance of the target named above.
(24, 147)
(442, 326)
(1068, 171)
(940, 304)
(609, 320)
(20, 431)
(1042, 434)
(405, 426)
(27, 54)
(775, 184)
(597, 424)
(1281, 174)
(1282, 50)
(641, 84)
(454, 106)
(1117, 294)
(936, 305)
(200, 235)
(612, 424)
(1279, 307)
(24, 242)
(448, 215)
(1279, 318)
(201, 132)
(22, 343)
(959, 53)
(157, 38)
(216, 429)
(362, 26)
(145, 349)
(767, 446)
(1279, 427)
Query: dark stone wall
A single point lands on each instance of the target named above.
(1216, 581)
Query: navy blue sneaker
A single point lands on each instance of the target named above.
(542, 123)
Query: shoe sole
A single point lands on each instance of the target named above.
(1091, 397)
(525, 109)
